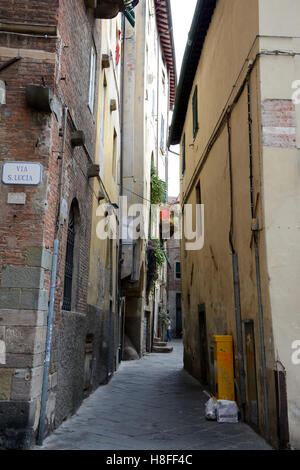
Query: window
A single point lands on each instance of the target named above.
(195, 112)
(162, 134)
(163, 79)
(183, 154)
(177, 270)
(103, 110)
(153, 103)
(69, 262)
(198, 193)
(92, 79)
(114, 161)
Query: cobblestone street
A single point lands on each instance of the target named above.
(150, 404)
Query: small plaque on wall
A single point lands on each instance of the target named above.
(24, 173)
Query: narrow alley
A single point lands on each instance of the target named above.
(150, 404)
(149, 190)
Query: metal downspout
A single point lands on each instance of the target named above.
(121, 179)
(258, 278)
(50, 319)
(236, 284)
(111, 368)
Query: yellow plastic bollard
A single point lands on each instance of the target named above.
(224, 377)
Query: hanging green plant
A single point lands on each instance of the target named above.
(155, 259)
(158, 252)
(158, 187)
(164, 318)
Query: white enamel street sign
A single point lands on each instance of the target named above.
(24, 173)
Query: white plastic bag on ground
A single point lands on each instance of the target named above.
(227, 411)
(211, 409)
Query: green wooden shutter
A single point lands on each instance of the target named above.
(183, 154)
(178, 270)
(195, 112)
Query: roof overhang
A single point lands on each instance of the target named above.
(196, 38)
(165, 31)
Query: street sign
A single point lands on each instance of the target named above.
(25, 173)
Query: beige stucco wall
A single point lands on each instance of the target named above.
(142, 112)
(103, 269)
(281, 191)
(230, 44)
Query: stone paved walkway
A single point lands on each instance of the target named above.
(150, 404)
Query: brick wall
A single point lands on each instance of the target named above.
(29, 11)
(279, 123)
(27, 231)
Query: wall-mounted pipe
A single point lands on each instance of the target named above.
(10, 62)
(236, 287)
(48, 346)
(121, 215)
(257, 267)
(41, 430)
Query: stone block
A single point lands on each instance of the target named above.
(17, 421)
(23, 277)
(27, 384)
(10, 298)
(32, 299)
(5, 383)
(24, 360)
(17, 414)
(13, 317)
(21, 439)
(25, 340)
(16, 198)
(39, 257)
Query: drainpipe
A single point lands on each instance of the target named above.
(258, 277)
(48, 346)
(111, 350)
(121, 180)
(236, 284)
(42, 420)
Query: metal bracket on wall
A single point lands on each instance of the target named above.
(9, 62)
(93, 171)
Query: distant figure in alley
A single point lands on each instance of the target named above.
(169, 331)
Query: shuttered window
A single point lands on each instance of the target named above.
(162, 134)
(195, 112)
(183, 154)
(177, 270)
(69, 264)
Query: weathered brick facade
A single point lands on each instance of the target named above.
(279, 123)
(60, 61)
